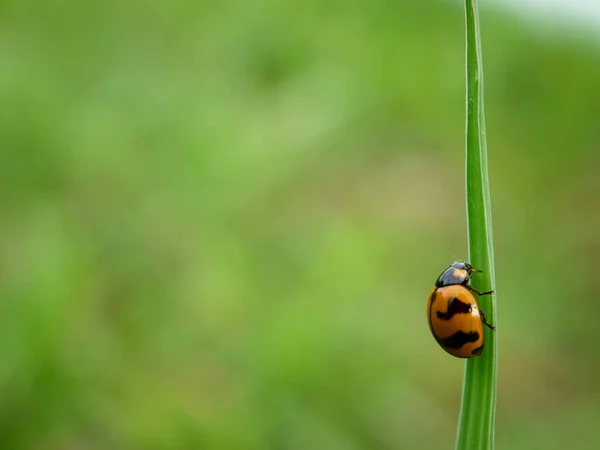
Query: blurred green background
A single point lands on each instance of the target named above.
(220, 224)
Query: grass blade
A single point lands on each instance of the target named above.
(478, 408)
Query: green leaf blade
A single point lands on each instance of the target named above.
(478, 407)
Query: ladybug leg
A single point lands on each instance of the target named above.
(472, 289)
(491, 327)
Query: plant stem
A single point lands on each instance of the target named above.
(478, 408)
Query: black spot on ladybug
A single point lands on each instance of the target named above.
(433, 295)
(455, 306)
(460, 338)
(477, 351)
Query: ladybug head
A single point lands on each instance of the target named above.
(459, 272)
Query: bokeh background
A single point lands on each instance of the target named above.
(220, 222)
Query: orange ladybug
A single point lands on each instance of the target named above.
(454, 317)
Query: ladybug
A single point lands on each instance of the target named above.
(454, 317)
